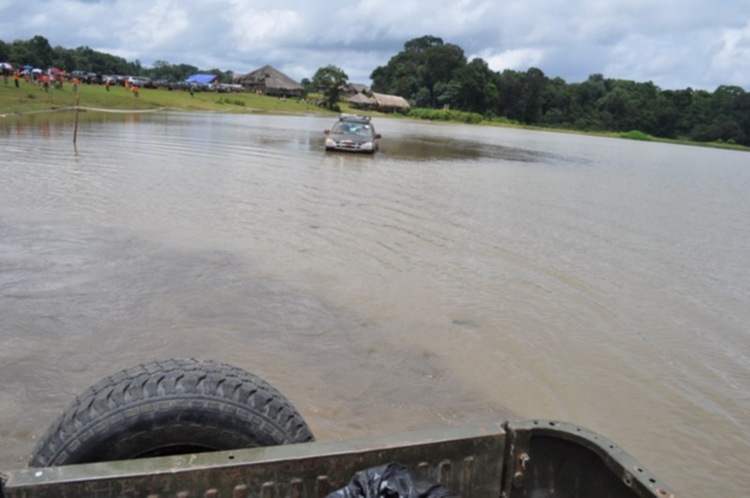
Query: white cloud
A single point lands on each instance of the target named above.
(733, 56)
(674, 43)
(155, 25)
(517, 59)
(262, 29)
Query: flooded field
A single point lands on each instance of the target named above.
(462, 275)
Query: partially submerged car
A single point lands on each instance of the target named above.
(353, 133)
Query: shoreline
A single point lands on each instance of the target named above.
(30, 100)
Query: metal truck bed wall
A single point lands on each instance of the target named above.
(531, 459)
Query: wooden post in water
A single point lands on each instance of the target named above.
(75, 129)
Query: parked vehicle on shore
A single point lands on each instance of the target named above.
(139, 81)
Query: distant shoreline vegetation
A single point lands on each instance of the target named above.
(442, 85)
(436, 75)
(31, 106)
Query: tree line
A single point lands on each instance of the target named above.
(38, 52)
(436, 75)
(433, 75)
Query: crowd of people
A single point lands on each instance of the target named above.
(46, 79)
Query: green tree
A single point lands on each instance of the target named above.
(730, 122)
(307, 85)
(329, 80)
(41, 49)
(674, 118)
(4, 52)
(422, 44)
(510, 87)
(36, 51)
(163, 70)
(472, 88)
(64, 59)
(400, 76)
(438, 66)
(533, 91)
(584, 114)
(421, 72)
(557, 102)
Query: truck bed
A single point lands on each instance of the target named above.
(535, 459)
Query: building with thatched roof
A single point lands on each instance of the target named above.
(361, 100)
(390, 102)
(269, 81)
(379, 101)
(354, 88)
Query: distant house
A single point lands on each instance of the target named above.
(390, 102)
(379, 101)
(270, 81)
(202, 79)
(354, 88)
(362, 100)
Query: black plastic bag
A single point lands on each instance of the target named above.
(392, 480)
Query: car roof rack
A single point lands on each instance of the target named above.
(356, 118)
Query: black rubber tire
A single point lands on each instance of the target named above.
(170, 407)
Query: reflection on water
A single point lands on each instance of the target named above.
(58, 124)
(414, 147)
(461, 275)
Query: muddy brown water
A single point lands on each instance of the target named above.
(461, 275)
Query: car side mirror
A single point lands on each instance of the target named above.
(326, 132)
(378, 135)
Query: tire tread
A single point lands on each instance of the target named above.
(124, 400)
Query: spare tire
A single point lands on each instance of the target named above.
(170, 407)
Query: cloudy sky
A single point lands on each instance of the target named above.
(674, 43)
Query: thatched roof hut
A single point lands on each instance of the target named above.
(354, 88)
(269, 81)
(362, 100)
(390, 102)
(379, 101)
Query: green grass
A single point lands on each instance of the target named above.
(29, 98)
(637, 135)
(29, 103)
(446, 115)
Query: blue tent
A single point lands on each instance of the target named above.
(202, 79)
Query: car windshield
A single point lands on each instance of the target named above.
(348, 128)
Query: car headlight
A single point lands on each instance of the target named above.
(367, 146)
(330, 142)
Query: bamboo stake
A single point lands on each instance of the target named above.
(75, 129)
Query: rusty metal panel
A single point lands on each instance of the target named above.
(466, 460)
(556, 459)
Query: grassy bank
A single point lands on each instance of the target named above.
(31, 99)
